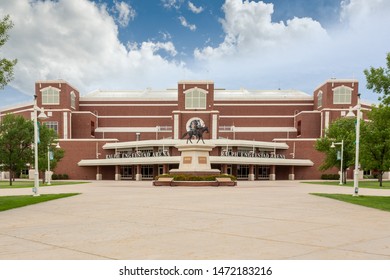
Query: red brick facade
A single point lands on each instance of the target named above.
(265, 122)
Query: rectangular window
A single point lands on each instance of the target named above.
(342, 95)
(51, 96)
(52, 125)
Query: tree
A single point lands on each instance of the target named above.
(378, 79)
(6, 66)
(341, 129)
(47, 137)
(16, 136)
(375, 139)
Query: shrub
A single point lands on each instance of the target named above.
(190, 177)
(330, 177)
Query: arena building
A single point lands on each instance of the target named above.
(131, 135)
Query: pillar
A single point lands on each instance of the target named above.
(291, 175)
(99, 175)
(117, 173)
(272, 175)
(251, 175)
(138, 175)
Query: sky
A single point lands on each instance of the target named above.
(138, 44)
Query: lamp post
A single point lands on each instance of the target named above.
(341, 158)
(356, 171)
(48, 162)
(41, 116)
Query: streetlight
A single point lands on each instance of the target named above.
(48, 162)
(341, 158)
(356, 171)
(41, 116)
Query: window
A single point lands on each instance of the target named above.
(319, 99)
(92, 128)
(299, 128)
(52, 125)
(50, 95)
(195, 99)
(342, 95)
(73, 100)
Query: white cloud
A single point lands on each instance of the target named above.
(248, 28)
(169, 4)
(125, 13)
(298, 53)
(184, 23)
(194, 9)
(77, 40)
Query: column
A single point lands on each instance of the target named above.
(214, 130)
(117, 173)
(272, 175)
(175, 126)
(251, 175)
(224, 168)
(291, 175)
(165, 168)
(138, 175)
(99, 175)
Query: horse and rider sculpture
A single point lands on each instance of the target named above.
(197, 130)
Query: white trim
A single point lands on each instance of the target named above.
(263, 129)
(266, 104)
(87, 140)
(134, 117)
(65, 116)
(216, 142)
(130, 129)
(176, 126)
(336, 81)
(214, 131)
(257, 116)
(213, 160)
(295, 139)
(123, 105)
(195, 82)
(308, 112)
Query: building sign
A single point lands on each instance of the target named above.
(138, 154)
(252, 154)
(202, 160)
(187, 160)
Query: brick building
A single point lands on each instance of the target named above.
(259, 134)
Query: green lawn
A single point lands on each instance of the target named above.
(29, 184)
(362, 184)
(10, 202)
(377, 202)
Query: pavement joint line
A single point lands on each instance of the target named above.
(56, 246)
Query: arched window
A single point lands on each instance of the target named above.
(342, 95)
(195, 98)
(73, 100)
(50, 96)
(319, 99)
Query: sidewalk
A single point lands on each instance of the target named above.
(133, 220)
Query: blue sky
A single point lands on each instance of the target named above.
(135, 44)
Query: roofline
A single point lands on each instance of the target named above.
(334, 80)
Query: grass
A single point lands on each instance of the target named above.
(30, 184)
(362, 184)
(11, 202)
(377, 202)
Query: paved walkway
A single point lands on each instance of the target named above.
(133, 220)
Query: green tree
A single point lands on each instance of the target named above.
(6, 66)
(341, 129)
(378, 79)
(47, 137)
(375, 139)
(16, 136)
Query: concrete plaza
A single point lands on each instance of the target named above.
(255, 220)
